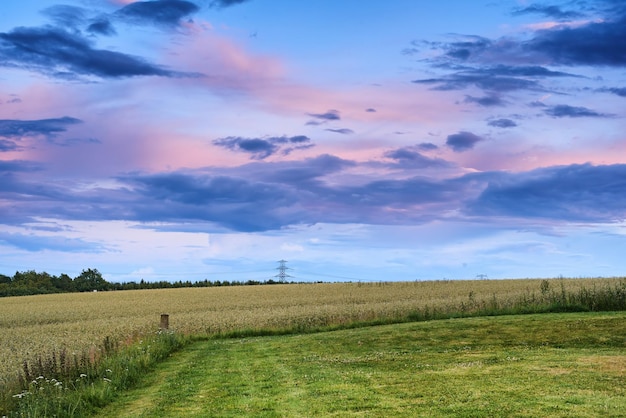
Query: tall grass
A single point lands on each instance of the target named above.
(549, 299)
(71, 384)
(52, 387)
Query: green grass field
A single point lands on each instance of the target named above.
(545, 365)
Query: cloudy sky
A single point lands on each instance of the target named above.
(359, 140)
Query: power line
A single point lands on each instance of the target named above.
(335, 276)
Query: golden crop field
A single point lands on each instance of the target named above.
(37, 325)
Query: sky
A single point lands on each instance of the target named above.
(358, 140)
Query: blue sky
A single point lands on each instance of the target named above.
(398, 140)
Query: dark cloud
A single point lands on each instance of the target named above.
(417, 199)
(486, 101)
(262, 196)
(483, 81)
(15, 189)
(502, 66)
(500, 78)
(50, 129)
(235, 203)
(202, 190)
(525, 71)
(619, 91)
(101, 26)
(466, 47)
(561, 111)
(502, 123)
(289, 150)
(163, 13)
(75, 18)
(460, 53)
(596, 43)
(462, 141)
(298, 173)
(58, 53)
(34, 196)
(19, 166)
(411, 157)
(7, 146)
(375, 202)
(298, 139)
(158, 12)
(221, 4)
(554, 12)
(427, 146)
(344, 131)
(328, 116)
(370, 109)
(66, 16)
(260, 148)
(10, 128)
(254, 197)
(568, 193)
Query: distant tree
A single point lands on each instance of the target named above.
(90, 280)
(32, 283)
(129, 286)
(63, 283)
(5, 289)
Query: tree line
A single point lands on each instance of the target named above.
(90, 280)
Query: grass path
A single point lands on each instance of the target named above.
(553, 365)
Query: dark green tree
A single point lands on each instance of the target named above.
(63, 283)
(32, 283)
(90, 280)
(5, 279)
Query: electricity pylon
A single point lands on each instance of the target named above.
(282, 271)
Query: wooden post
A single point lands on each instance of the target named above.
(165, 321)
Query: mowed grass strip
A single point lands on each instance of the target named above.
(548, 365)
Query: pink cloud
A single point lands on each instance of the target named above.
(525, 156)
(122, 2)
(119, 130)
(242, 93)
(37, 101)
(265, 81)
(226, 66)
(551, 24)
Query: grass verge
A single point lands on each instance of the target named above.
(549, 365)
(51, 390)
